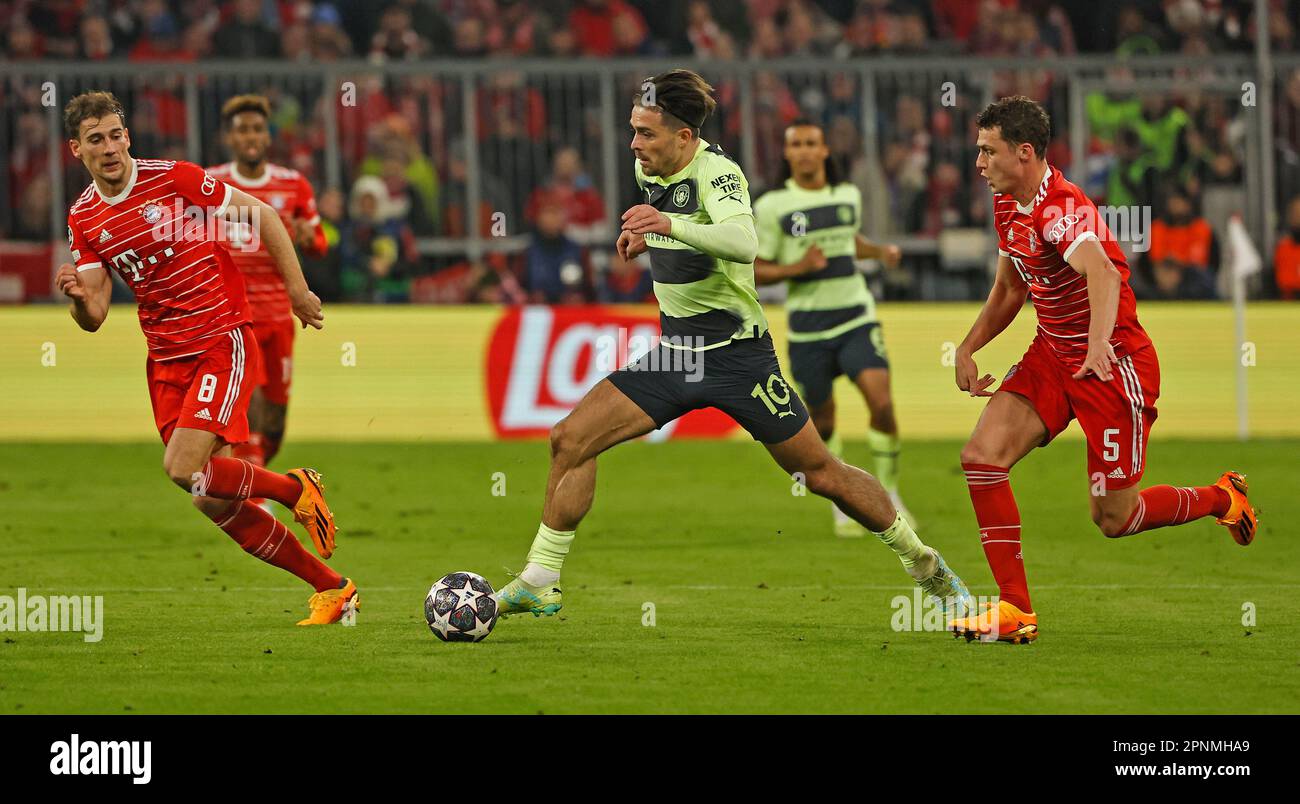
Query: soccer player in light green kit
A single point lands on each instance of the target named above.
(715, 351)
(808, 237)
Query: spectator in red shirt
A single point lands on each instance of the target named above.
(592, 22)
(570, 187)
(625, 282)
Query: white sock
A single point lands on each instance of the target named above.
(537, 575)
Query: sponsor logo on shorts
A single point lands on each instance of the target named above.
(1117, 474)
(204, 415)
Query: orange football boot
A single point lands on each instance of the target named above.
(331, 605)
(1006, 623)
(312, 513)
(1242, 518)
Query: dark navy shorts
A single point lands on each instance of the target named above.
(814, 365)
(742, 379)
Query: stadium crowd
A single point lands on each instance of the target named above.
(405, 163)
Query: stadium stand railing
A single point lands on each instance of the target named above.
(470, 150)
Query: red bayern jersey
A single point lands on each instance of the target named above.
(289, 194)
(159, 237)
(1039, 239)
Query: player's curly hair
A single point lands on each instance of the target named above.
(90, 106)
(834, 175)
(244, 103)
(681, 96)
(1021, 120)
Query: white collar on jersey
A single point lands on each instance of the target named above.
(244, 181)
(130, 185)
(1039, 196)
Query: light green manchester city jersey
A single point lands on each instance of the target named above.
(704, 301)
(789, 221)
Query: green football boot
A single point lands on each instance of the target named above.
(946, 589)
(518, 597)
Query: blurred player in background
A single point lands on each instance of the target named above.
(808, 236)
(245, 120)
(697, 225)
(1090, 360)
(154, 221)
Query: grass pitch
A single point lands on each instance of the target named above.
(757, 606)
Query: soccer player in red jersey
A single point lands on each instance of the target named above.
(153, 221)
(245, 119)
(1090, 360)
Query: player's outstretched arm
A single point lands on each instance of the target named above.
(1104, 281)
(306, 305)
(767, 272)
(1005, 299)
(91, 292)
(888, 253)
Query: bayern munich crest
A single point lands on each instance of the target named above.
(152, 213)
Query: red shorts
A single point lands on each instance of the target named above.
(1115, 416)
(276, 343)
(209, 391)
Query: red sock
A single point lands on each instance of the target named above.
(1160, 506)
(266, 537)
(999, 521)
(235, 479)
(252, 450)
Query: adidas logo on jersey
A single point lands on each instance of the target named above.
(207, 417)
(104, 235)
(1117, 474)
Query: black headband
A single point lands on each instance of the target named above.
(680, 117)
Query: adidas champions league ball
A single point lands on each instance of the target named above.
(460, 608)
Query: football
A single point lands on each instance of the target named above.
(460, 608)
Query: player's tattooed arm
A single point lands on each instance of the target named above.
(1104, 281)
(90, 291)
(306, 305)
(1005, 299)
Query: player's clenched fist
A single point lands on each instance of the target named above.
(68, 281)
(813, 260)
(306, 306)
(630, 245)
(968, 376)
(644, 218)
